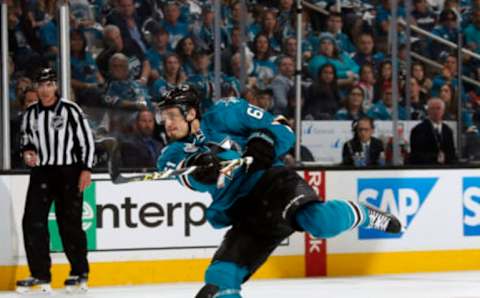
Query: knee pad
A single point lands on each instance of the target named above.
(207, 291)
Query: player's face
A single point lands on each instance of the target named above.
(176, 126)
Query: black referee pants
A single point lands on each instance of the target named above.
(59, 184)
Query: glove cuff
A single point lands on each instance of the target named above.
(263, 134)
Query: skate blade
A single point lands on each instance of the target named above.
(39, 289)
(77, 289)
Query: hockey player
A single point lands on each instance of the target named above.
(263, 204)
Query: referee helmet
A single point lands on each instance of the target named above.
(46, 74)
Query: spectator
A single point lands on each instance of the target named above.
(310, 40)
(322, 99)
(203, 80)
(423, 15)
(363, 149)
(292, 106)
(290, 47)
(128, 23)
(49, 39)
(366, 51)
(447, 76)
(285, 13)
(23, 40)
(431, 140)
(140, 150)
(204, 32)
(418, 72)
(382, 23)
(84, 70)
(255, 27)
(123, 91)
(234, 17)
(417, 101)
(383, 109)
(21, 84)
(232, 48)
(172, 77)
(426, 19)
(353, 109)
(270, 28)
(472, 32)
(264, 67)
(186, 16)
(334, 26)
(185, 50)
(282, 83)
(231, 84)
(157, 53)
(383, 16)
(447, 29)
(345, 67)
(384, 78)
(367, 84)
(138, 66)
(176, 29)
(28, 97)
(447, 95)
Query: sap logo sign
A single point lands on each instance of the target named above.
(471, 206)
(402, 197)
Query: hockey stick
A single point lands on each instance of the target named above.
(112, 146)
(227, 168)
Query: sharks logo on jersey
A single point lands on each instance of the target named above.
(190, 148)
(403, 197)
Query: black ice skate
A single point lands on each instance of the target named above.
(382, 221)
(33, 284)
(76, 283)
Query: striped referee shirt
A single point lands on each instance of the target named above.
(60, 134)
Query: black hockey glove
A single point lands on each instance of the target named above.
(208, 167)
(260, 146)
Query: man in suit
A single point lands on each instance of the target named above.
(141, 149)
(363, 149)
(431, 141)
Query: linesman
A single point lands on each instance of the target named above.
(57, 144)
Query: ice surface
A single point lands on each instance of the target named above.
(434, 285)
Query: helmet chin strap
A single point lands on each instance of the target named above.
(189, 127)
(185, 112)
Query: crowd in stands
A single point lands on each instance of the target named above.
(126, 53)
